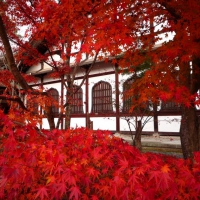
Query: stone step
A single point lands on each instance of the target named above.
(169, 145)
(161, 144)
(177, 152)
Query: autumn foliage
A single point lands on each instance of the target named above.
(86, 164)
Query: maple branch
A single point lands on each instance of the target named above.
(87, 73)
(171, 10)
(14, 98)
(11, 62)
(40, 132)
(24, 11)
(78, 87)
(85, 76)
(51, 55)
(129, 125)
(76, 66)
(36, 128)
(10, 58)
(28, 51)
(90, 11)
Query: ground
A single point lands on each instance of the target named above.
(170, 145)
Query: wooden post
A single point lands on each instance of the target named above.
(117, 99)
(155, 119)
(90, 124)
(87, 102)
(62, 99)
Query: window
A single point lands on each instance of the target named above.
(133, 97)
(54, 93)
(33, 107)
(102, 97)
(127, 99)
(166, 106)
(31, 102)
(77, 100)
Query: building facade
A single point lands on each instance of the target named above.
(100, 104)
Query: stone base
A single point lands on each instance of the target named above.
(156, 135)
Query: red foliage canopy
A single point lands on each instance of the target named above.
(85, 164)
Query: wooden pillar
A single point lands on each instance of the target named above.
(87, 118)
(117, 99)
(155, 116)
(41, 83)
(62, 100)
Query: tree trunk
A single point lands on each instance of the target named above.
(67, 116)
(68, 104)
(199, 132)
(50, 117)
(189, 132)
(10, 58)
(16, 73)
(137, 140)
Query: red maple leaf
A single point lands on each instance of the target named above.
(155, 175)
(75, 192)
(96, 153)
(2, 181)
(61, 188)
(93, 172)
(123, 163)
(42, 193)
(105, 189)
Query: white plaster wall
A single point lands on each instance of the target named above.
(45, 124)
(124, 125)
(166, 123)
(169, 123)
(56, 86)
(149, 126)
(77, 122)
(103, 123)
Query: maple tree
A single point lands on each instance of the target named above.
(138, 121)
(139, 113)
(174, 72)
